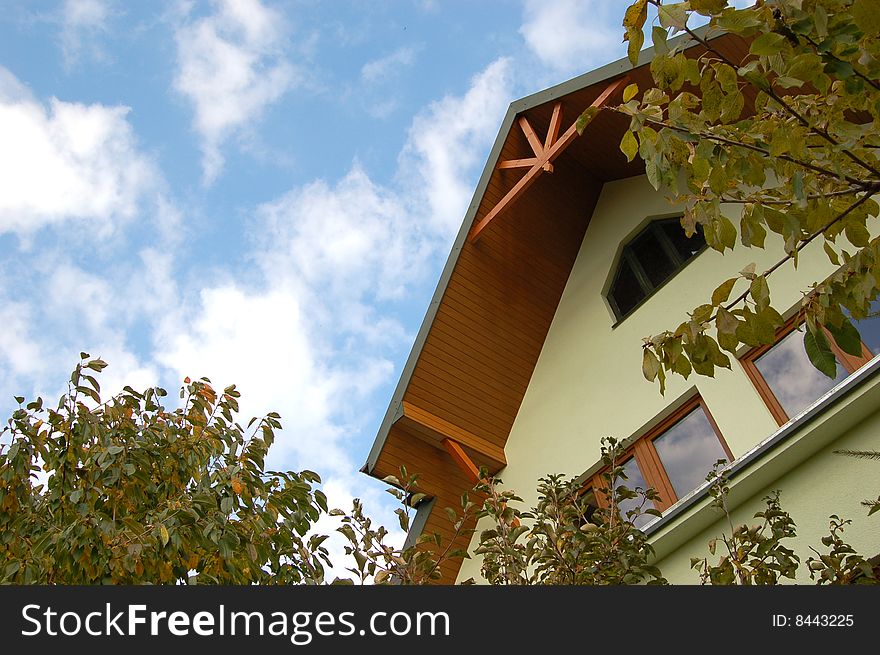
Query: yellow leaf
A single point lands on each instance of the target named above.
(636, 14)
(629, 146)
(163, 534)
(236, 486)
(630, 92)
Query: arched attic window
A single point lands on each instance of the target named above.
(655, 254)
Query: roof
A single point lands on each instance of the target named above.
(481, 337)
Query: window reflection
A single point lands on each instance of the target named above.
(634, 478)
(869, 328)
(688, 450)
(791, 377)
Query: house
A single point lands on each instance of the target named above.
(530, 350)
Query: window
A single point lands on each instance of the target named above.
(869, 328)
(673, 458)
(787, 380)
(651, 258)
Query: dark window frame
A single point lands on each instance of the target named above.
(627, 254)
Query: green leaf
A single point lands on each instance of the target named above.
(739, 21)
(839, 69)
(708, 7)
(658, 37)
(847, 337)
(726, 232)
(832, 254)
(819, 352)
(650, 365)
(673, 16)
(769, 43)
(702, 313)
(586, 118)
(629, 146)
(722, 293)
(636, 38)
(630, 92)
(727, 329)
(760, 292)
(866, 16)
(633, 21)
(857, 234)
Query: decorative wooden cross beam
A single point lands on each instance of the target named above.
(545, 153)
(462, 460)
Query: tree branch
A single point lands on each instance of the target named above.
(804, 242)
(776, 97)
(862, 184)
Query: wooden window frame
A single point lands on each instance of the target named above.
(648, 459)
(748, 361)
(648, 289)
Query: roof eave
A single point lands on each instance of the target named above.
(597, 76)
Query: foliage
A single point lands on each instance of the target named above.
(842, 564)
(136, 493)
(416, 564)
(139, 493)
(565, 541)
(756, 555)
(788, 136)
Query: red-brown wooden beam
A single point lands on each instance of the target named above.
(555, 122)
(428, 424)
(531, 136)
(546, 153)
(518, 163)
(464, 462)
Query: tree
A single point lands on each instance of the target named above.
(755, 554)
(138, 493)
(789, 136)
(417, 563)
(563, 541)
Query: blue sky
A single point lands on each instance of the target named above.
(262, 192)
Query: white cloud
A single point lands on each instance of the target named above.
(231, 67)
(81, 22)
(18, 350)
(263, 343)
(354, 238)
(573, 35)
(308, 339)
(382, 69)
(71, 289)
(41, 341)
(67, 160)
(85, 13)
(449, 140)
